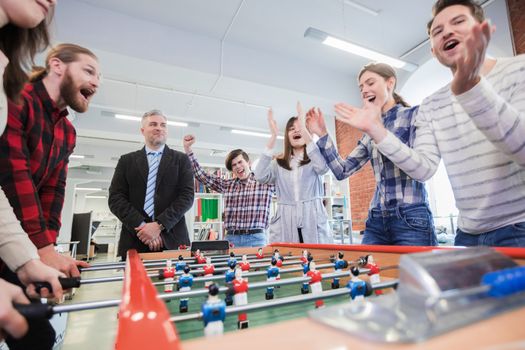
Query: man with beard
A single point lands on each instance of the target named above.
(150, 192)
(36, 144)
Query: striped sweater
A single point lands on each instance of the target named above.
(480, 135)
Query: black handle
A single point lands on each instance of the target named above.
(65, 282)
(34, 311)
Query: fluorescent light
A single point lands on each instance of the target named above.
(138, 119)
(88, 189)
(254, 133)
(344, 45)
(77, 156)
(96, 197)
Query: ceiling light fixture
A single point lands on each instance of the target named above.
(254, 133)
(138, 119)
(96, 197)
(347, 46)
(88, 189)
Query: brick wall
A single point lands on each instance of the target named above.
(362, 183)
(517, 23)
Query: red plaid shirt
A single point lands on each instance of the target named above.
(34, 152)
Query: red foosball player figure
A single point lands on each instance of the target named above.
(315, 283)
(374, 272)
(259, 254)
(240, 297)
(213, 312)
(244, 264)
(199, 257)
(183, 247)
(304, 257)
(185, 283)
(209, 269)
(169, 276)
(278, 257)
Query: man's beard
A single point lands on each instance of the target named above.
(69, 92)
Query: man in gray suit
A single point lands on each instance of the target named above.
(151, 190)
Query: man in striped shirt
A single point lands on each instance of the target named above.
(476, 124)
(246, 201)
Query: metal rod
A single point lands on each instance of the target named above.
(282, 301)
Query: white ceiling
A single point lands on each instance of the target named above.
(220, 64)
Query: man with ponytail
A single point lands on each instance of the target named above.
(37, 142)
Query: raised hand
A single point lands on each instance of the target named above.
(274, 130)
(469, 64)
(187, 142)
(366, 119)
(315, 122)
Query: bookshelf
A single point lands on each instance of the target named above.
(336, 198)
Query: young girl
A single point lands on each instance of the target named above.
(297, 175)
(399, 213)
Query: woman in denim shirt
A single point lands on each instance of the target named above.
(399, 213)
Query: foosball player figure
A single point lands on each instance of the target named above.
(213, 312)
(179, 266)
(374, 272)
(271, 273)
(209, 269)
(304, 257)
(259, 254)
(199, 257)
(339, 264)
(240, 297)
(278, 257)
(306, 267)
(315, 283)
(168, 274)
(232, 258)
(244, 264)
(228, 278)
(185, 283)
(358, 287)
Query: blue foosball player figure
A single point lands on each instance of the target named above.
(271, 273)
(306, 267)
(358, 288)
(185, 283)
(232, 259)
(213, 312)
(179, 266)
(339, 264)
(228, 278)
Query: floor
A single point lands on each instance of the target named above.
(93, 329)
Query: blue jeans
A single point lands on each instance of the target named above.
(248, 240)
(506, 236)
(410, 224)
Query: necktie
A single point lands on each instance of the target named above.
(149, 204)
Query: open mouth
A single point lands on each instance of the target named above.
(296, 137)
(87, 93)
(449, 45)
(371, 99)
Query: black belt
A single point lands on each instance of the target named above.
(245, 232)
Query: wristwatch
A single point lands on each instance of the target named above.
(161, 226)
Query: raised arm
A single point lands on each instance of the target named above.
(265, 170)
(213, 182)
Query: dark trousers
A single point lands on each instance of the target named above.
(40, 336)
